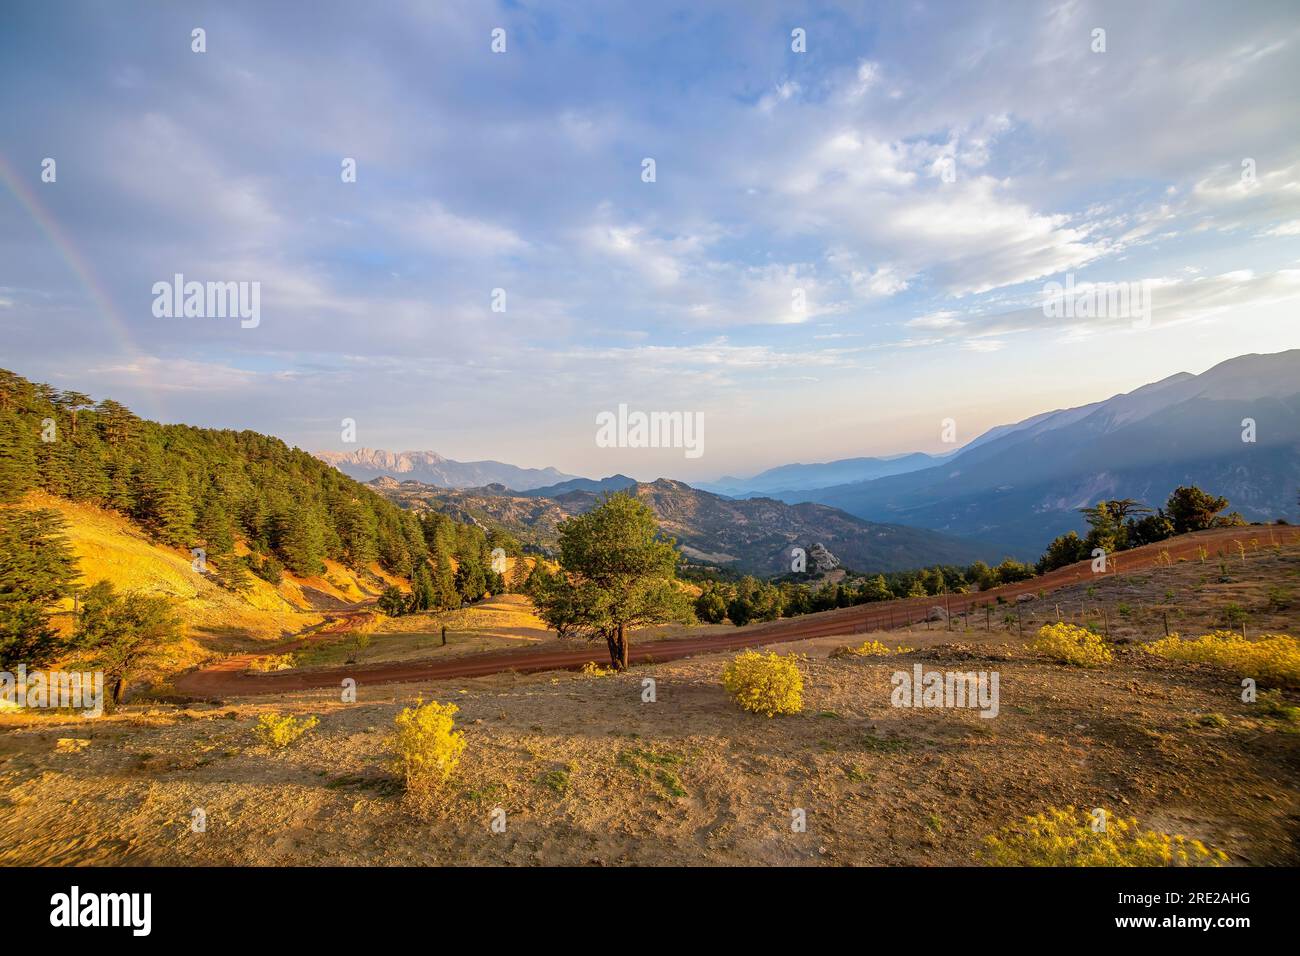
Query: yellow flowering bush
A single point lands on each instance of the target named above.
(868, 649)
(1274, 657)
(280, 730)
(272, 662)
(766, 684)
(428, 748)
(592, 669)
(1072, 644)
(1065, 837)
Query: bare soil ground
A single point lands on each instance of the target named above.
(588, 773)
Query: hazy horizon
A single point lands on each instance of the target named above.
(935, 446)
(841, 246)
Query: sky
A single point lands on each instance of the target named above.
(840, 248)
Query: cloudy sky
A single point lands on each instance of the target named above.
(914, 178)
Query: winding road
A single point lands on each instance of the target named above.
(231, 676)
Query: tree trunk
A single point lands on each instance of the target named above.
(622, 649)
(614, 654)
(119, 690)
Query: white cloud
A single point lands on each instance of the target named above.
(432, 226)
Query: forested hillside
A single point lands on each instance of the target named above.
(220, 489)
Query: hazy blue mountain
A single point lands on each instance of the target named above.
(801, 477)
(1021, 485)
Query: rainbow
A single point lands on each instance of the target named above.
(68, 250)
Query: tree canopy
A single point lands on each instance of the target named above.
(617, 573)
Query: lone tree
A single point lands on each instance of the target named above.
(1191, 509)
(124, 633)
(617, 572)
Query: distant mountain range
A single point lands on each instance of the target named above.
(801, 477)
(431, 468)
(752, 535)
(1021, 485)
(1012, 489)
(612, 483)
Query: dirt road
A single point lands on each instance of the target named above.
(230, 677)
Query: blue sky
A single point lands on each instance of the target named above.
(776, 171)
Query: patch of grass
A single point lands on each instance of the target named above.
(934, 823)
(1208, 720)
(828, 715)
(853, 773)
(487, 791)
(1272, 704)
(655, 766)
(384, 785)
(884, 745)
(1234, 615)
(559, 779)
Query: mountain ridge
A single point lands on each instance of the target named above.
(432, 468)
(1023, 483)
(751, 535)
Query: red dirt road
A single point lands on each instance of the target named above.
(230, 677)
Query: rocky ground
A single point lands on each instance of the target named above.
(588, 773)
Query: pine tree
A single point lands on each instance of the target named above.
(88, 480)
(214, 528)
(168, 508)
(36, 561)
(445, 595)
(26, 636)
(422, 591)
(17, 455)
(356, 527)
(37, 568)
(618, 575)
(392, 601)
(299, 540)
(875, 589)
